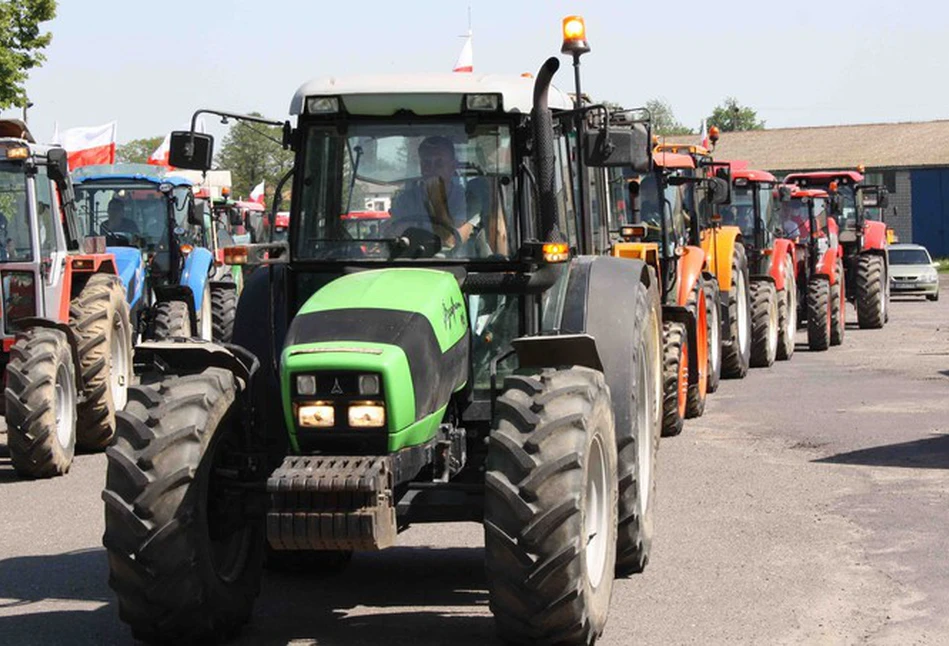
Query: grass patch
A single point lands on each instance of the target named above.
(942, 265)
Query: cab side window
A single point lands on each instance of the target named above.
(44, 214)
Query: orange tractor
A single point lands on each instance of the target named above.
(858, 209)
(662, 232)
(771, 260)
(805, 219)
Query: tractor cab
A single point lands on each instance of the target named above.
(752, 209)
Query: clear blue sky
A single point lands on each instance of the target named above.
(149, 65)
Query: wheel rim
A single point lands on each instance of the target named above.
(683, 376)
(773, 326)
(119, 347)
(792, 313)
(205, 320)
(744, 323)
(644, 424)
(882, 297)
(64, 405)
(597, 514)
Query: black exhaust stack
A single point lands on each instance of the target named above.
(544, 158)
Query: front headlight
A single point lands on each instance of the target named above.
(367, 415)
(316, 415)
(929, 278)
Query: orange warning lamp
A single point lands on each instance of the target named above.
(713, 134)
(574, 36)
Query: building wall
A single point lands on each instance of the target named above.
(902, 200)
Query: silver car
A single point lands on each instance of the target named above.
(912, 272)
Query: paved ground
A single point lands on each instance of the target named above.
(808, 505)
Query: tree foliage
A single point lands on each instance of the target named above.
(252, 157)
(137, 151)
(664, 121)
(21, 45)
(731, 116)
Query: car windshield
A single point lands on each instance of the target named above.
(909, 257)
(136, 212)
(14, 215)
(445, 187)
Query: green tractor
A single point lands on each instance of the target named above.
(475, 360)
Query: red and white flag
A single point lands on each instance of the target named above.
(87, 145)
(160, 156)
(257, 195)
(465, 62)
(704, 134)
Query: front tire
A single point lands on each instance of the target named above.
(551, 507)
(838, 309)
(99, 315)
(223, 310)
(41, 404)
(787, 313)
(764, 324)
(171, 320)
(871, 292)
(675, 377)
(713, 314)
(736, 348)
(184, 561)
(818, 314)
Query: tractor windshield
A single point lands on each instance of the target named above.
(137, 213)
(14, 215)
(741, 211)
(847, 218)
(412, 190)
(795, 216)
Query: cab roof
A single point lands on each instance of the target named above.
(753, 175)
(135, 172)
(797, 192)
(672, 160)
(825, 176)
(384, 95)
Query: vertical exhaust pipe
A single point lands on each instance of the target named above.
(542, 124)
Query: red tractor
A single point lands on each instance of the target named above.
(858, 209)
(805, 219)
(771, 261)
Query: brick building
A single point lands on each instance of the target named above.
(911, 159)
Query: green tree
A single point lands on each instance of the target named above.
(731, 116)
(21, 45)
(664, 121)
(137, 151)
(252, 153)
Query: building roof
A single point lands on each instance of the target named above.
(384, 94)
(878, 145)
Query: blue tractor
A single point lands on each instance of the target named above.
(157, 231)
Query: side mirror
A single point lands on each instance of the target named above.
(627, 147)
(784, 193)
(236, 219)
(719, 191)
(196, 213)
(57, 164)
(192, 154)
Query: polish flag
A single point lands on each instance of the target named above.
(88, 145)
(257, 195)
(160, 156)
(704, 134)
(465, 62)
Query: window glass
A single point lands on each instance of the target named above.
(44, 213)
(14, 216)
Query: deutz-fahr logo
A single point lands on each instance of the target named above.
(448, 311)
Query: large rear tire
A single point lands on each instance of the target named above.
(223, 310)
(675, 377)
(636, 456)
(99, 316)
(171, 320)
(41, 404)
(818, 313)
(871, 291)
(764, 324)
(184, 560)
(736, 345)
(550, 507)
(787, 313)
(713, 313)
(695, 401)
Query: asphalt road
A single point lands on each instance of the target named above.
(809, 504)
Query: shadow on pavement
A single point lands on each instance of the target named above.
(944, 373)
(929, 453)
(404, 595)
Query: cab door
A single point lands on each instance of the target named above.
(51, 244)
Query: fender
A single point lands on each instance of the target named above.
(782, 249)
(195, 274)
(828, 266)
(874, 236)
(648, 252)
(130, 267)
(691, 265)
(194, 356)
(719, 246)
(103, 263)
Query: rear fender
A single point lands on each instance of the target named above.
(691, 266)
(828, 266)
(569, 349)
(77, 270)
(648, 252)
(187, 356)
(195, 273)
(130, 270)
(782, 249)
(719, 246)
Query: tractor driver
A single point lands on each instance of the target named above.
(117, 222)
(438, 201)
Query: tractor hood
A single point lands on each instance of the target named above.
(408, 326)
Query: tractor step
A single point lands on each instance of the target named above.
(331, 503)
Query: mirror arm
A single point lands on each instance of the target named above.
(227, 115)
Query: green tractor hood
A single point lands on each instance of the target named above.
(409, 327)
